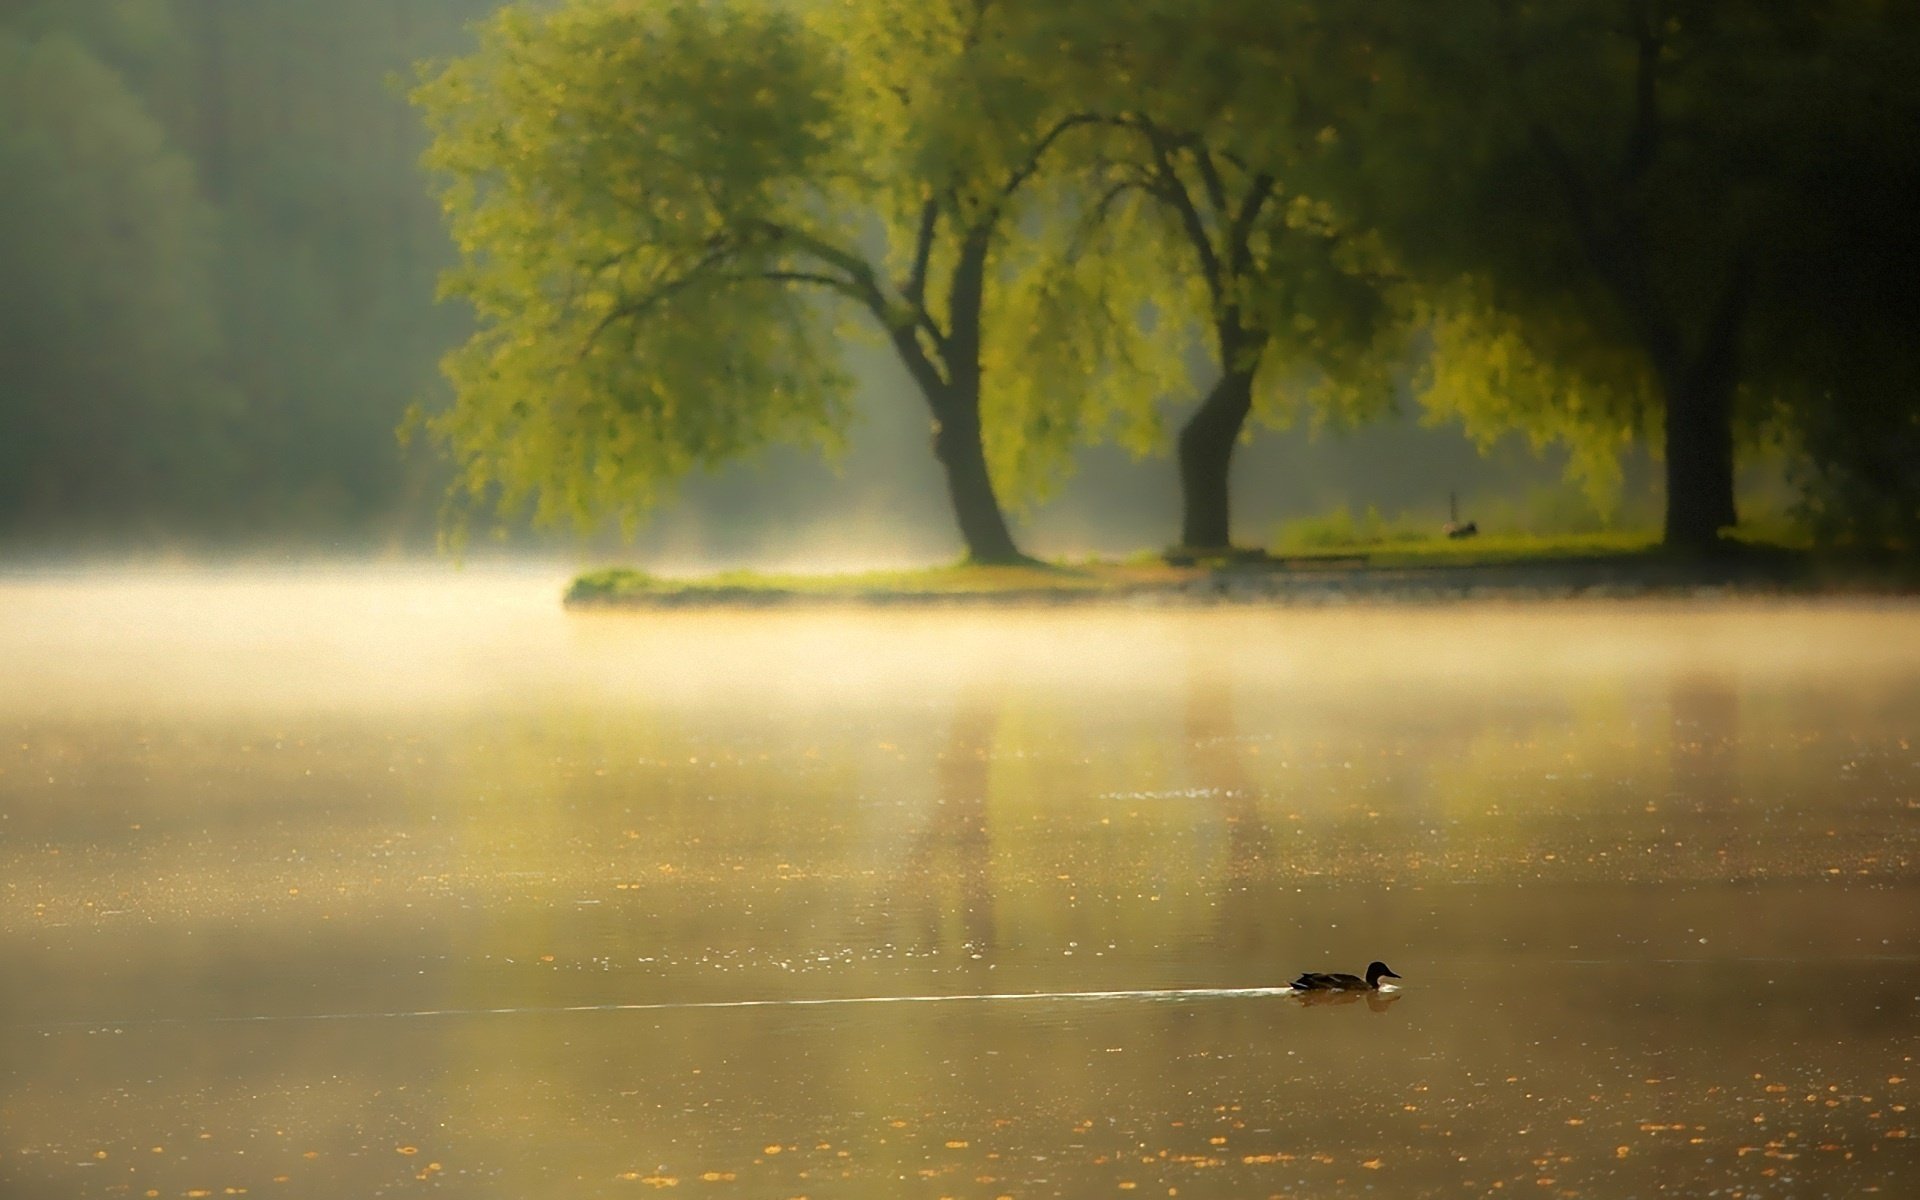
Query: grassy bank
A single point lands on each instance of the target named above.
(623, 585)
(1521, 566)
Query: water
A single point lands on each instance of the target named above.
(372, 884)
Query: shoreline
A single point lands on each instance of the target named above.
(1280, 583)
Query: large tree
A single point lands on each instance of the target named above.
(1618, 203)
(1194, 194)
(666, 210)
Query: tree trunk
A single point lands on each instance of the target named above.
(1699, 425)
(957, 444)
(1206, 455)
(956, 412)
(1699, 436)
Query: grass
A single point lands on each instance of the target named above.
(1496, 549)
(616, 584)
(1377, 547)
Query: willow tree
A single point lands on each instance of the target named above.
(1192, 199)
(670, 214)
(1648, 215)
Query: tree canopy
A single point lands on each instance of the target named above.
(1195, 226)
(1650, 213)
(668, 212)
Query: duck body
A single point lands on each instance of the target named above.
(1332, 981)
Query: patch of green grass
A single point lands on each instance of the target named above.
(616, 584)
(1509, 548)
(1339, 531)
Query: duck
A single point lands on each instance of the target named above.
(1317, 981)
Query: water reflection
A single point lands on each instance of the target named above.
(949, 866)
(565, 929)
(1375, 1001)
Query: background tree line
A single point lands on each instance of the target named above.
(695, 234)
(216, 266)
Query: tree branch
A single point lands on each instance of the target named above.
(845, 287)
(916, 288)
(864, 285)
(1097, 212)
(1240, 232)
(1025, 170)
(1210, 178)
(659, 294)
(1171, 188)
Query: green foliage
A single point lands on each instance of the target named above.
(1494, 374)
(1183, 225)
(1644, 214)
(610, 584)
(1340, 529)
(1860, 473)
(664, 209)
(619, 173)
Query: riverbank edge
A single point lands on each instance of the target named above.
(1286, 583)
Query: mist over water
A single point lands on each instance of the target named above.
(359, 882)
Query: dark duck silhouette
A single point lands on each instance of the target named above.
(1316, 981)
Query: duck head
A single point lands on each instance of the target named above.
(1377, 971)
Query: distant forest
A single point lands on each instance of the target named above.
(218, 259)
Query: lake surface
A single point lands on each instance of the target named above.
(364, 884)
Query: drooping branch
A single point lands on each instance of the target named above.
(1096, 213)
(862, 284)
(832, 283)
(659, 294)
(1017, 178)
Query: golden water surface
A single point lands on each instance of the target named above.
(389, 884)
